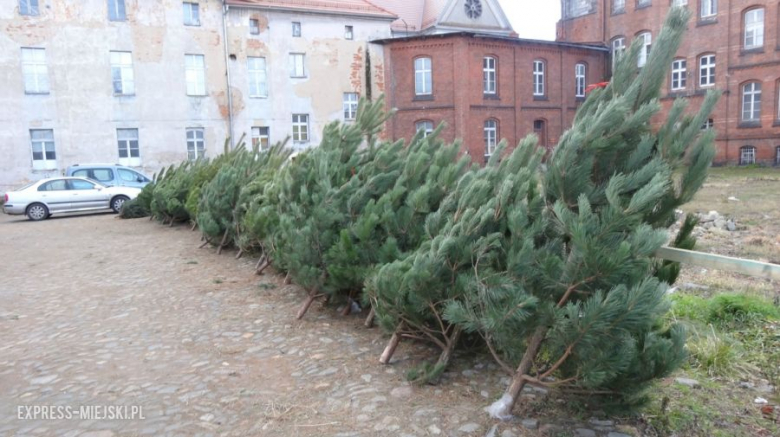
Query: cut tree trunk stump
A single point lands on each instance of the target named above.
(369, 323)
(240, 252)
(313, 295)
(387, 354)
(222, 243)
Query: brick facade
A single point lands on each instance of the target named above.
(458, 97)
(721, 34)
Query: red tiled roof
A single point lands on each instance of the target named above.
(349, 7)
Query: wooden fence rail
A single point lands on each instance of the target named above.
(720, 262)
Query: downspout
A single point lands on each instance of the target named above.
(727, 92)
(225, 9)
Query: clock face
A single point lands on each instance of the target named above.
(473, 8)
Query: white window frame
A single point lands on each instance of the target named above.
(708, 124)
(35, 71)
(709, 8)
(45, 142)
(191, 12)
(618, 48)
(489, 82)
(423, 76)
(29, 7)
(297, 65)
(196, 143)
(643, 3)
(490, 135)
(751, 102)
(679, 74)
(349, 32)
(300, 128)
(754, 29)
(777, 155)
(580, 72)
(538, 75)
(747, 155)
(254, 26)
(195, 74)
(644, 52)
(261, 137)
(125, 139)
(350, 105)
(618, 6)
(258, 77)
(116, 10)
(424, 125)
(122, 76)
(679, 2)
(707, 70)
(296, 29)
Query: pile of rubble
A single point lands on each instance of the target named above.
(712, 220)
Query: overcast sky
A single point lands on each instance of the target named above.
(533, 19)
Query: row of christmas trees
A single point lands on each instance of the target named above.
(552, 269)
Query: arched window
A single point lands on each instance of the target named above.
(424, 125)
(540, 129)
(539, 67)
(647, 41)
(747, 155)
(580, 71)
(489, 68)
(751, 101)
(423, 80)
(753, 25)
(679, 74)
(491, 137)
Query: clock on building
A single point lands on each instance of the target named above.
(473, 8)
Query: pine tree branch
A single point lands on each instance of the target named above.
(508, 369)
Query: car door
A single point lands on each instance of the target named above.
(55, 195)
(87, 195)
(129, 178)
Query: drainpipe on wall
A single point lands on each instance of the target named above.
(225, 9)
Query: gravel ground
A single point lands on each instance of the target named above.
(96, 311)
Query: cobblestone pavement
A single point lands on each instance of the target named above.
(100, 311)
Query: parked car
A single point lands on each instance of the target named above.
(43, 198)
(110, 175)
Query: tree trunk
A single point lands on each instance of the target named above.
(502, 408)
(369, 323)
(348, 309)
(263, 267)
(240, 252)
(260, 261)
(194, 226)
(313, 295)
(287, 279)
(387, 354)
(204, 244)
(222, 243)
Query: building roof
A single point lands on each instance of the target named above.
(436, 16)
(410, 13)
(511, 39)
(341, 7)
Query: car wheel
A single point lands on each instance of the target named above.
(117, 202)
(37, 211)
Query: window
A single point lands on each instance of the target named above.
(777, 155)
(196, 145)
(618, 6)
(300, 126)
(35, 72)
(28, 7)
(296, 29)
(489, 75)
(707, 70)
(195, 74)
(751, 101)
(43, 153)
(618, 48)
(131, 176)
(709, 124)
(426, 126)
(349, 32)
(350, 106)
(747, 155)
(55, 185)
(642, 3)
(646, 41)
(754, 28)
(191, 14)
(491, 137)
(258, 83)
(423, 82)
(679, 2)
(254, 26)
(577, 8)
(129, 152)
(679, 74)
(540, 129)
(77, 184)
(579, 80)
(538, 78)
(297, 65)
(116, 10)
(709, 8)
(261, 138)
(122, 73)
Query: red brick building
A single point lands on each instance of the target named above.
(487, 87)
(733, 46)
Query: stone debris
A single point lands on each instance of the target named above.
(692, 383)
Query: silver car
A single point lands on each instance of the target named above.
(43, 198)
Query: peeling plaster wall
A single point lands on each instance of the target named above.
(81, 107)
(334, 66)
